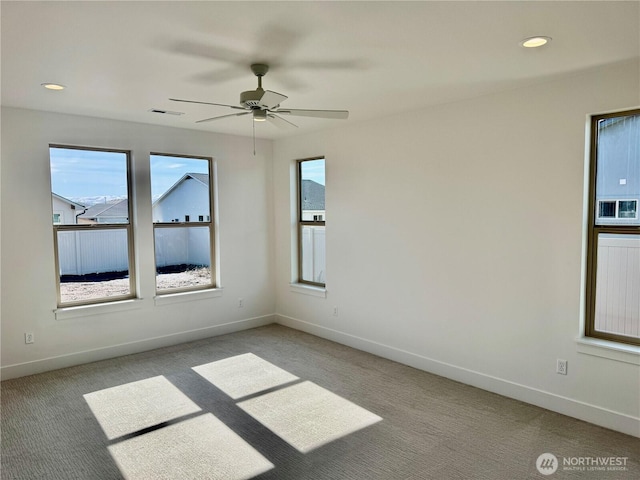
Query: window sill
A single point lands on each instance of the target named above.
(611, 350)
(308, 290)
(65, 313)
(171, 298)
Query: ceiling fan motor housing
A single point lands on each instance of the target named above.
(251, 98)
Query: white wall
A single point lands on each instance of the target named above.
(245, 256)
(472, 265)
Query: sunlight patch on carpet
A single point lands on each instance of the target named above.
(307, 416)
(244, 375)
(138, 405)
(198, 448)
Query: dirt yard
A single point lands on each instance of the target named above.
(77, 291)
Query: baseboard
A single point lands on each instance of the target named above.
(94, 355)
(573, 408)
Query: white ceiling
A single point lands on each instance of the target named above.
(121, 59)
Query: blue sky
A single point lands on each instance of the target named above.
(165, 171)
(88, 173)
(313, 170)
(80, 174)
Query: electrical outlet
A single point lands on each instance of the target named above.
(241, 303)
(29, 337)
(561, 367)
(335, 311)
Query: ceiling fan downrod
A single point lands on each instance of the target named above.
(259, 70)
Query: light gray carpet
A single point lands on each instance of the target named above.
(431, 427)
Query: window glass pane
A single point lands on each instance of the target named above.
(183, 257)
(312, 190)
(618, 285)
(179, 188)
(93, 264)
(88, 186)
(628, 209)
(607, 210)
(618, 170)
(313, 253)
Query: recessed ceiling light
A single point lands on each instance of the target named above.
(534, 42)
(53, 86)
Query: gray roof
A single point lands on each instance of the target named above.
(203, 177)
(312, 195)
(113, 208)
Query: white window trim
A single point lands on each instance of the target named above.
(305, 289)
(189, 296)
(66, 313)
(606, 349)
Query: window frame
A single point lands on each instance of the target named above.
(80, 227)
(176, 223)
(302, 223)
(594, 231)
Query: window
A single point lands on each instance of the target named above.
(92, 233)
(607, 209)
(627, 209)
(617, 209)
(183, 250)
(613, 252)
(311, 226)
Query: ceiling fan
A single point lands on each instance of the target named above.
(265, 105)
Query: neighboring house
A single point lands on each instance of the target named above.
(113, 211)
(65, 211)
(312, 200)
(187, 200)
(618, 192)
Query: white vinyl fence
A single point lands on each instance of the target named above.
(618, 285)
(313, 254)
(184, 245)
(98, 251)
(102, 251)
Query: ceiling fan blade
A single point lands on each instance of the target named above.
(223, 116)
(271, 99)
(279, 121)
(336, 114)
(212, 52)
(218, 76)
(207, 103)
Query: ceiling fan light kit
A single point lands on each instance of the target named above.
(259, 115)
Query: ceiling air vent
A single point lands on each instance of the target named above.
(165, 112)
